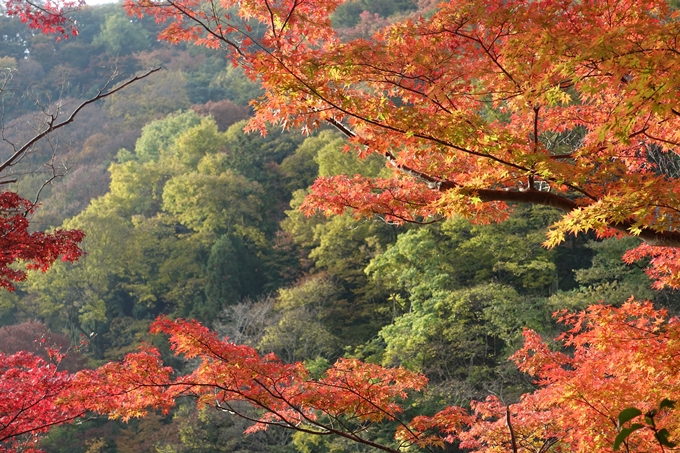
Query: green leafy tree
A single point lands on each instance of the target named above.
(301, 332)
(121, 35)
(347, 14)
(233, 273)
(214, 203)
(610, 280)
(333, 160)
(301, 168)
(461, 295)
(235, 85)
(161, 135)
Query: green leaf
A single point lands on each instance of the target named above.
(628, 414)
(666, 403)
(625, 432)
(662, 437)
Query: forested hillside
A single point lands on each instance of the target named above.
(187, 215)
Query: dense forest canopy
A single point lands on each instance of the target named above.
(424, 125)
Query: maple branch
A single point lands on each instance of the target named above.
(282, 424)
(487, 51)
(650, 236)
(57, 14)
(51, 126)
(276, 395)
(44, 426)
(486, 195)
(296, 427)
(30, 404)
(658, 139)
(209, 30)
(381, 410)
(432, 183)
(289, 15)
(583, 399)
(347, 433)
(365, 119)
(409, 220)
(508, 422)
(562, 156)
(271, 17)
(549, 442)
(537, 108)
(530, 196)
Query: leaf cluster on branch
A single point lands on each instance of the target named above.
(475, 107)
(48, 17)
(623, 357)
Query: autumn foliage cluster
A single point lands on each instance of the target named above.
(474, 108)
(31, 388)
(621, 358)
(565, 104)
(47, 17)
(37, 250)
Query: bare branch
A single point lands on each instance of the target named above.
(52, 125)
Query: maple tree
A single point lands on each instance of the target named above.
(622, 359)
(48, 17)
(567, 104)
(31, 388)
(39, 249)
